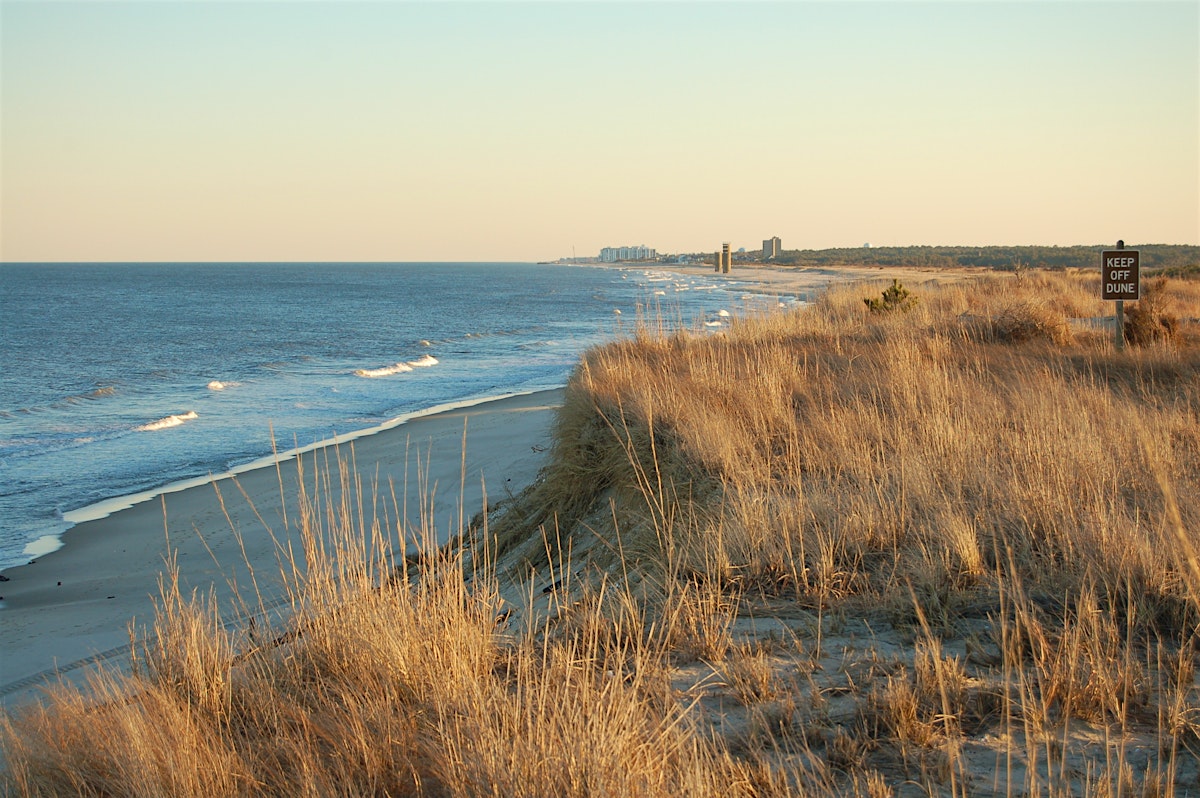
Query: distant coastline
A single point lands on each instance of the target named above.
(993, 257)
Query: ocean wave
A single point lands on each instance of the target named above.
(168, 422)
(64, 402)
(36, 445)
(217, 385)
(398, 368)
(386, 371)
(91, 396)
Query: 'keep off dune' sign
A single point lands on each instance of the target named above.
(1119, 270)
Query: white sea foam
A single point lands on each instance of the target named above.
(425, 361)
(386, 371)
(723, 313)
(217, 385)
(168, 422)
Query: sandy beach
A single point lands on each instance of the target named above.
(804, 283)
(78, 602)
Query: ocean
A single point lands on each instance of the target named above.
(121, 379)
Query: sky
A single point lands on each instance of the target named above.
(175, 130)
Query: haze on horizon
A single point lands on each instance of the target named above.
(397, 131)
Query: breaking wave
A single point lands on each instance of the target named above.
(398, 368)
(217, 385)
(386, 371)
(168, 422)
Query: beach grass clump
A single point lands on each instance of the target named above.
(826, 552)
(1150, 319)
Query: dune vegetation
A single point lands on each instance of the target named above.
(942, 543)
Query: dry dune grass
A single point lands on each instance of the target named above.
(946, 550)
(834, 445)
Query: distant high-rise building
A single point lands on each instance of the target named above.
(771, 247)
(614, 254)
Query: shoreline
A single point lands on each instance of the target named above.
(807, 281)
(230, 534)
(115, 504)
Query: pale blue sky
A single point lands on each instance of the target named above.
(521, 131)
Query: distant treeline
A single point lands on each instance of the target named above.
(1174, 257)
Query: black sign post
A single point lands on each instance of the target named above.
(1119, 281)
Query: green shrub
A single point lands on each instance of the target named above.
(895, 297)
